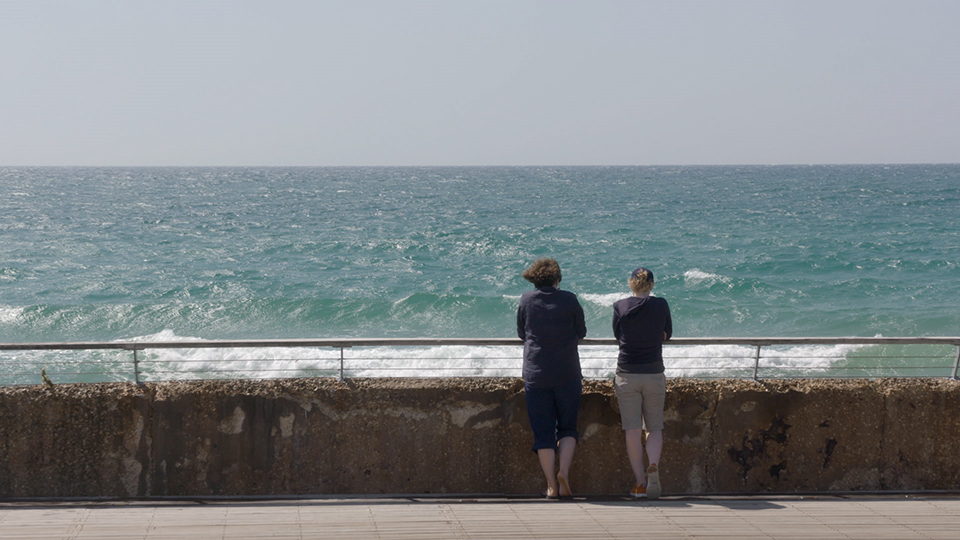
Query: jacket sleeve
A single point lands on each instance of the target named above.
(521, 328)
(616, 322)
(581, 325)
(668, 327)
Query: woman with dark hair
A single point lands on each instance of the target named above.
(550, 322)
(641, 323)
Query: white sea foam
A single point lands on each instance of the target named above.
(725, 360)
(598, 362)
(233, 362)
(605, 300)
(163, 335)
(9, 314)
(699, 278)
(467, 361)
(740, 360)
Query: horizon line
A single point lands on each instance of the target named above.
(494, 166)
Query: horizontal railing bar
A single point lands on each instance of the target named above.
(229, 344)
(355, 359)
(64, 373)
(406, 342)
(515, 368)
(858, 357)
(81, 363)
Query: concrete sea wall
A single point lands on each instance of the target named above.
(371, 436)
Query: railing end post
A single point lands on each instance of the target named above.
(756, 365)
(136, 368)
(956, 363)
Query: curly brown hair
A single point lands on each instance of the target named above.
(544, 272)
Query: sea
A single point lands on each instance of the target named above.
(216, 253)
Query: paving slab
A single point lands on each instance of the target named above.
(492, 517)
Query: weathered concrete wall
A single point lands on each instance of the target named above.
(320, 436)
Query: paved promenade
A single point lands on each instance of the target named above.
(861, 516)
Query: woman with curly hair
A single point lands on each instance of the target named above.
(550, 322)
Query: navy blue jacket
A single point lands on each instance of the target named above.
(550, 322)
(639, 325)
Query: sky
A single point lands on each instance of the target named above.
(478, 82)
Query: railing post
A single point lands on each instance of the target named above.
(136, 368)
(341, 364)
(756, 364)
(956, 363)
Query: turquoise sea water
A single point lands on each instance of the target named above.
(90, 254)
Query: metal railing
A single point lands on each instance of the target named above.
(834, 357)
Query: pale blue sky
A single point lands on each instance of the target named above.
(518, 82)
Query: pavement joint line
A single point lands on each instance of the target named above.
(462, 498)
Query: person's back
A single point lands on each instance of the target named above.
(641, 324)
(550, 322)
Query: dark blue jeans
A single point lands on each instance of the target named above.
(553, 413)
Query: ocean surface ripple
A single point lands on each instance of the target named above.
(219, 253)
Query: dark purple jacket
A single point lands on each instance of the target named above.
(550, 322)
(639, 325)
